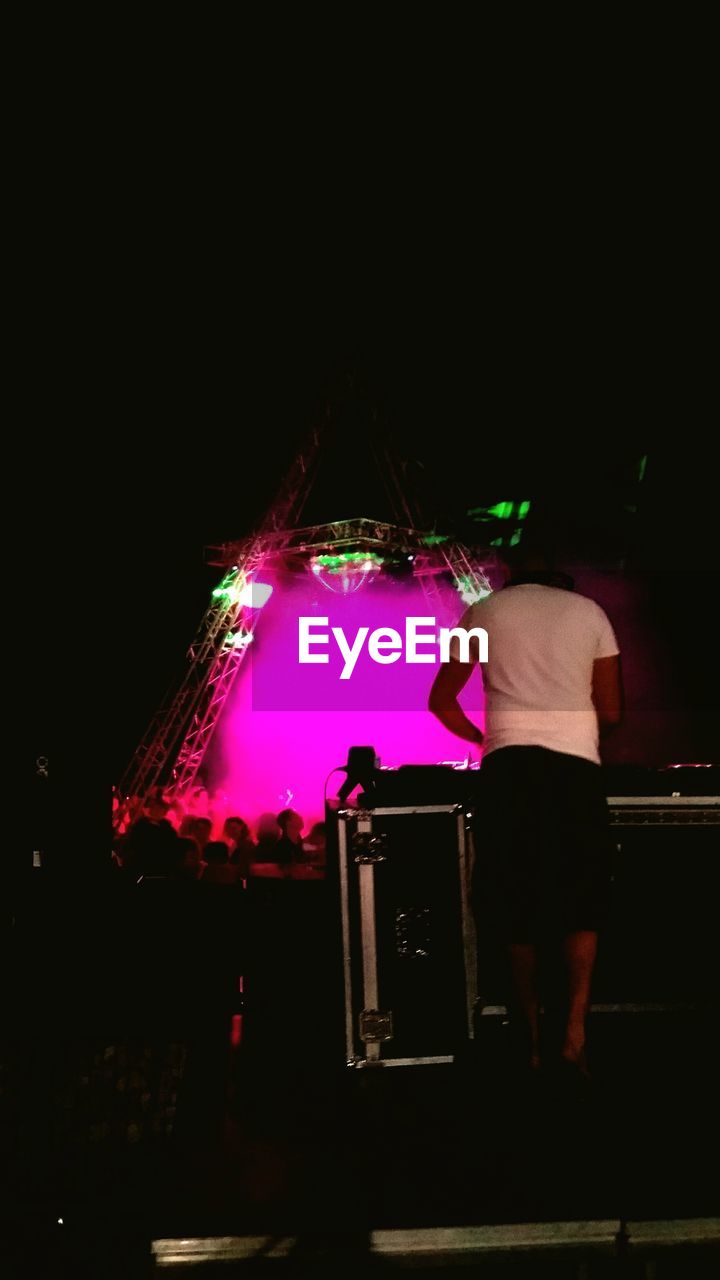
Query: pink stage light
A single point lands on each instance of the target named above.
(255, 594)
(285, 727)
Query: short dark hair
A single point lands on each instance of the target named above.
(284, 817)
(536, 549)
(216, 851)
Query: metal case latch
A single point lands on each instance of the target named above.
(369, 848)
(376, 1025)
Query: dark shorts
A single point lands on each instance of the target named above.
(544, 849)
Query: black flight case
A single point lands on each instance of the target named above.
(408, 934)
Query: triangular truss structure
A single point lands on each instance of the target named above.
(174, 746)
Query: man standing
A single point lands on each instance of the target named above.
(288, 850)
(552, 685)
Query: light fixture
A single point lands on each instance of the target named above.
(471, 591)
(346, 571)
(237, 590)
(255, 594)
(237, 639)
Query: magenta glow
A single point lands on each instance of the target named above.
(286, 726)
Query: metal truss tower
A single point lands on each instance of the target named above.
(174, 746)
(182, 728)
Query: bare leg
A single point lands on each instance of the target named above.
(523, 962)
(580, 950)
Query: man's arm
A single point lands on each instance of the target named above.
(607, 692)
(443, 702)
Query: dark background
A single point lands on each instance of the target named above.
(182, 452)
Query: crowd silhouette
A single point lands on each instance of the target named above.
(196, 839)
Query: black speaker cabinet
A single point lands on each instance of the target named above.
(660, 945)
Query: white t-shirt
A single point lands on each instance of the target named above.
(542, 642)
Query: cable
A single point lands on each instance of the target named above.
(339, 768)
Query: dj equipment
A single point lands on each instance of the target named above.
(624, 784)
(666, 811)
(411, 971)
(420, 784)
(628, 780)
